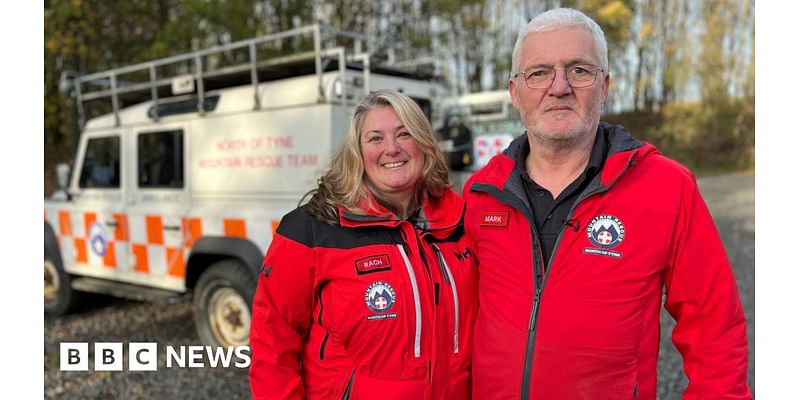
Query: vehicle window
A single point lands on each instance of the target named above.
(487, 108)
(182, 107)
(160, 159)
(101, 164)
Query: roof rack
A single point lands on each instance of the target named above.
(250, 61)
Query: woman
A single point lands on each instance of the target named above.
(369, 289)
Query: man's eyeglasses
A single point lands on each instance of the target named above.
(578, 76)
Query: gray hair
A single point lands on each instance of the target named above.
(561, 18)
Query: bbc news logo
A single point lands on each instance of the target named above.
(109, 356)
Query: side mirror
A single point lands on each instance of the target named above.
(62, 175)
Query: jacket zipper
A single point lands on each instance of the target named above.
(417, 307)
(422, 257)
(346, 394)
(540, 282)
(534, 319)
(448, 274)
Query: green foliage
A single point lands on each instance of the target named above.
(614, 17)
(710, 136)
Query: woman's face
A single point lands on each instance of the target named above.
(392, 160)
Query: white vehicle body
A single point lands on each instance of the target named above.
(190, 189)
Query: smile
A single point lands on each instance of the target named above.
(394, 164)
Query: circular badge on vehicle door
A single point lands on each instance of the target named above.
(98, 239)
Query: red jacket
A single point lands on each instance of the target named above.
(370, 308)
(591, 330)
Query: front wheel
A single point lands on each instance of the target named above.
(59, 297)
(222, 304)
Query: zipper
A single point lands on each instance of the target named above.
(534, 319)
(448, 274)
(540, 282)
(319, 320)
(346, 394)
(430, 374)
(422, 257)
(417, 307)
(442, 269)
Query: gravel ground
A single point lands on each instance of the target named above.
(731, 199)
(128, 321)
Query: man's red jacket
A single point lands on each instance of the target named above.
(371, 308)
(589, 328)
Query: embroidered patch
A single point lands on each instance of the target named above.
(494, 218)
(373, 264)
(463, 255)
(605, 232)
(380, 297)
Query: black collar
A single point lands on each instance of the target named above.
(593, 167)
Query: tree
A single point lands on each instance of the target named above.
(615, 18)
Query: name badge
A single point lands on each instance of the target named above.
(372, 264)
(494, 218)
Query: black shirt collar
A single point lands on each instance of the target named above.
(593, 167)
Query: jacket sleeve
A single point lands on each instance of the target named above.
(282, 309)
(701, 294)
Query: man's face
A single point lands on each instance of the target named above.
(560, 114)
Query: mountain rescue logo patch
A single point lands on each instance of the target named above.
(605, 232)
(380, 297)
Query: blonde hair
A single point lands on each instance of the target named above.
(346, 184)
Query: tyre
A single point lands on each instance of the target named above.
(59, 297)
(222, 304)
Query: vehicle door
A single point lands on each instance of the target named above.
(157, 205)
(97, 222)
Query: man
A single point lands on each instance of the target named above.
(578, 228)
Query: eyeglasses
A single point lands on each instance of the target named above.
(578, 76)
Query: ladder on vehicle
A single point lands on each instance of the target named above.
(199, 71)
